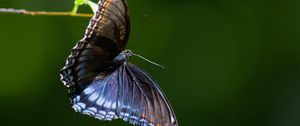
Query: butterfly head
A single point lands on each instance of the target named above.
(128, 53)
(123, 56)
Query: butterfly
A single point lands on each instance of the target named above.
(103, 84)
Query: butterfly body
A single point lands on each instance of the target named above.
(102, 83)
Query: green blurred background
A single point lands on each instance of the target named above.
(228, 63)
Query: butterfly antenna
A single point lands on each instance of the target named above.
(156, 64)
(140, 28)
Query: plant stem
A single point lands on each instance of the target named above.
(46, 13)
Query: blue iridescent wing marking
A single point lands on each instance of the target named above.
(128, 93)
(99, 99)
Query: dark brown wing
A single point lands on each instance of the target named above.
(105, 37)
(111, 21)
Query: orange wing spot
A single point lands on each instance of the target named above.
(158, 125)
(122, 37)
(144, 116)
(122, 33)
(105, 4)
(151, 120)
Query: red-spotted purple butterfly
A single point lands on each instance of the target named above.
(102, 83)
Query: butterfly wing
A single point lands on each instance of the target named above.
(99, 99)
(111, 21)
(142, 101)
(128, 93)
(105, 37)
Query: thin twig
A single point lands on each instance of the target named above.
(46, 13)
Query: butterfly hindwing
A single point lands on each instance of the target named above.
(155, 107)
(99, 99)
(128, 93)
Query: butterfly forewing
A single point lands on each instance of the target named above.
(111, 21)
(105, 37)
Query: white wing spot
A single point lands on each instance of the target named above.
(111, 113)
(89, 90)
(76, 108)
(94, 96)
(126, 115)
(76, 99)
(93, 109)
(102, 112)
(172, 119)
(134, 117)
(100, 101)
(99, 116)
(82, 105)
(114, 105)
(107, 104)
(88, 112)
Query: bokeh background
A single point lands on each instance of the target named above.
(228, 62)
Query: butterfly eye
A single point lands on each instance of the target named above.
(128, 53)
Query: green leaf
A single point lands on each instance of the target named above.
(78, 3)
